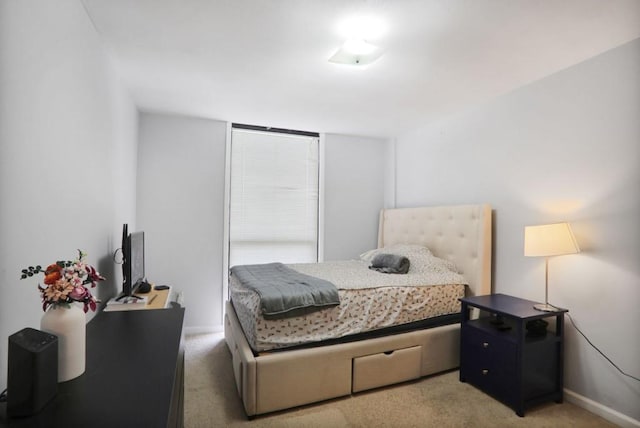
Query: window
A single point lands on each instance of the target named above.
(273, 199)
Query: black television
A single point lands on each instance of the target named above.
(133, 261)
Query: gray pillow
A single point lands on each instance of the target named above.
(390, 263)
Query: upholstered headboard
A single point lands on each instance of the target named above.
(460, 233)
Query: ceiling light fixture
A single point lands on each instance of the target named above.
(357, 49)
(356, 52)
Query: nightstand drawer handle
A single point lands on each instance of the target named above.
(485, 371)
(485, 344)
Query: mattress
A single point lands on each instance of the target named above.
(369, 301)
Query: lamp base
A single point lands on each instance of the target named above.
(545, 307)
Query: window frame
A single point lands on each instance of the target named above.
(227, 196)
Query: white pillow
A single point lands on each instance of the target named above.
(432, 264)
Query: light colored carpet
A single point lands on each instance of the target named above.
(211, 400)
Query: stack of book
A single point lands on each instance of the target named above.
(126, 303)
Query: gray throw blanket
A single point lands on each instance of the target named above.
(285, 292)
(390, 263)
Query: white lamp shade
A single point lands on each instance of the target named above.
(549, 240)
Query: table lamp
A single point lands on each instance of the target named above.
(545, 241)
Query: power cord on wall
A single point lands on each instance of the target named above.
(599, 351)
(3, 396)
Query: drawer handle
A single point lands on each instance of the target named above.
(485, 371)
(485, 344)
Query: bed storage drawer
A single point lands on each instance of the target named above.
(289, 379)
(386, 368)
(235, 354)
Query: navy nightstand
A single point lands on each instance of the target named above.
(508, 352)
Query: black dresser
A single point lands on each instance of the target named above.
(134, 375)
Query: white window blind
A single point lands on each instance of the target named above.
(273, 197)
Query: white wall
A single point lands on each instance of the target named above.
(67, 153)
(565, 148)
(355, 188)
(180, 208)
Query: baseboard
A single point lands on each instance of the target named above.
(205, 329)
(601, 410)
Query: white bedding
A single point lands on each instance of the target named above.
(355, 274)
(369, 300)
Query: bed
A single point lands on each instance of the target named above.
(273, 378)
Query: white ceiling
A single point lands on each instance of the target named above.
(264, 62)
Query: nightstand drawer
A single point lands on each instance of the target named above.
(488, 362)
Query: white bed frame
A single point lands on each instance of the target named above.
(285, 379)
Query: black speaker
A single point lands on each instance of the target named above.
(32, 379)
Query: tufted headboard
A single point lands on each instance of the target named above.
(460, 233)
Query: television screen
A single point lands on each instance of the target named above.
(133, 261)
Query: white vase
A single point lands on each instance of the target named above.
(69, 324)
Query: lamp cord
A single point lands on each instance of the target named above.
(599, 351)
